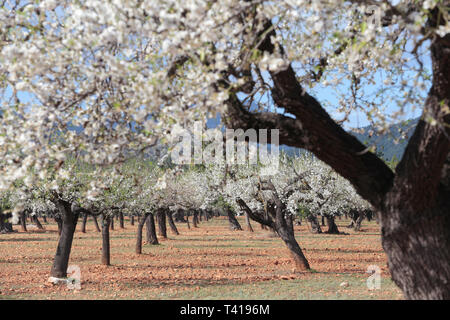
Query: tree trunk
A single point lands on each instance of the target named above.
(234, 223)
(172, 225)
(315, 227)
(194, 218)
(121, 221)
(332, 227)
(44, 218)
(96, 223)
(37, 222)
(83, 223)
(59, 223)
(358, 221)
(286, 233)
(5, 226)
(141, 223)
(69, 221)
(187, 220)
(323, 221)
(23, 221)
(247, 220)
(162, 227)
(151, 231)
(111, 224)
(106, 248)
(132, 220)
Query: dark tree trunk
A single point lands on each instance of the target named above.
(37, 222)
(195, 218)
(233, 222)
(121, 221)
(141, 223)
(106, 245)
(132, 220)
(332, 227)
(287, 235)
(23, 221)
(111, 224)
(44, 218)
(69, 222)
(315, 227)
(354, 214)
(5, 226)
(323, 221)
(187, 220)
(358, 221)
(247, 220)
(172, 225)
(162, 227)
(83, 223)
(96, 223)
(151, 231)
(59, 222)
(290, 223)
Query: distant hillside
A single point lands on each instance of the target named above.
(385, 144)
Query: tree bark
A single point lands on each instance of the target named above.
(106, 246)
(37, 222)
(59, 223)
(121, 221)
(332, 227)
(83, 223)
(162, 227)
(139, 233)
(132, 220)
(195, 218)
(5, 226)
(96, 223)
(358, 221)
(111, 224)
(233, 222)
(315, 226)
(247, 220)
(23, 221)
(172, 225)
(69, 222)
(187, 219)
(151, 231)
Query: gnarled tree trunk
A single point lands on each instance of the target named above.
(96, 223)
(151, 230)
(23, 221)
(247, 221)
(121, 221)
(83, 223)
(315, 226)
(332, 227)
(172, 225)
(233, 222)
(139, 233)
(69, 220)
(162, 227)
(106, 245)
